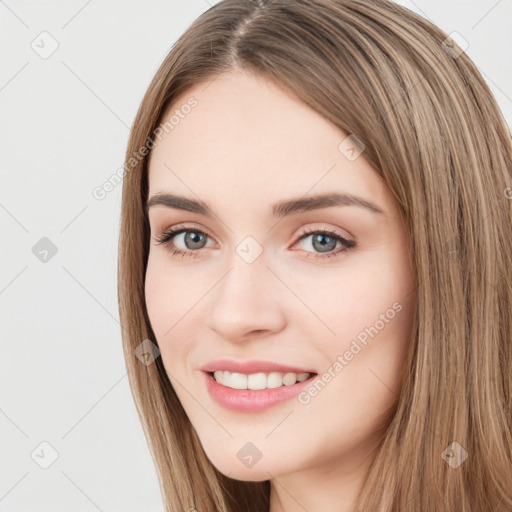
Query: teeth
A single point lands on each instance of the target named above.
(256, 381)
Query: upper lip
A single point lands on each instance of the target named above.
(253, 366)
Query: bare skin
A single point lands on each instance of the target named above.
(247, 145)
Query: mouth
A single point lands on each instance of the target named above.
(258, 381)
(255, 392)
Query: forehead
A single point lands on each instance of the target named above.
(248, 132)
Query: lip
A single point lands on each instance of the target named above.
(253, 366)
(248, 400)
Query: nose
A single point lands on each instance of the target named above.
(247, 302)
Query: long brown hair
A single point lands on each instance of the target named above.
(434, 132)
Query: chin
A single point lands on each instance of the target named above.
(243, 463)
(254, 474)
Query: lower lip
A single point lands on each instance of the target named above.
(248, 400)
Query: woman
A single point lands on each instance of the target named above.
(314, 246)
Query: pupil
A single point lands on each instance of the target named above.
(194, 238)
(324, 246)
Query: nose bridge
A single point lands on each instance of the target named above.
(243, 300)
(248, 272)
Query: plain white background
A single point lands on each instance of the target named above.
(65, 402)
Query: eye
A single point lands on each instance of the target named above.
(325, 241)
(193, 239)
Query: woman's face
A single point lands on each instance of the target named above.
(264, 275)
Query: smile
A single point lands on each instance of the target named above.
(258, 381)
(273, 388)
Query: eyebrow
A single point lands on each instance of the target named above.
(279, 210)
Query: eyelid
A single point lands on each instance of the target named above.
(177, 229)
(168, 235)
(304, 232)
(183, 226)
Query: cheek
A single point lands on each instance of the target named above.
(370, 289)
(169, 293)
(368, 307)
(155, 294)
(167, 307)
(373, 330)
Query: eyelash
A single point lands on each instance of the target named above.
(166, 237)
